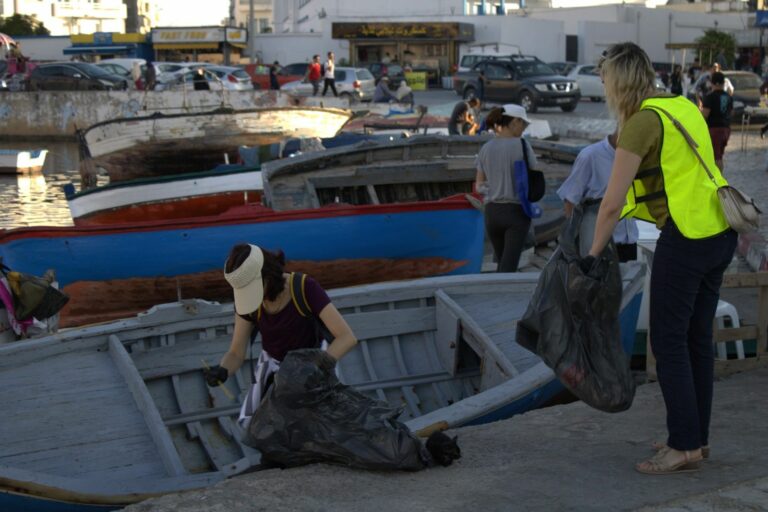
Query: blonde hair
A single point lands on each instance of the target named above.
(629, 79)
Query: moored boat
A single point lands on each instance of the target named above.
(177, 196)
(159, 145)
(113, 271)
(443, 349)
(16, 161)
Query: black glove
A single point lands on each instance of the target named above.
(215, 375)
(586, 263)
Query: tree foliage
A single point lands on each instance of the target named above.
(23, 25)
(712, 42)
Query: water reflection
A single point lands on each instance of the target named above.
(38, 199)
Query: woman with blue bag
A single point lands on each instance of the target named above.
(502, 178)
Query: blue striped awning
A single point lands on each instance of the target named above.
(78, 50)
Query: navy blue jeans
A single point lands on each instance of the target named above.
(685, 288)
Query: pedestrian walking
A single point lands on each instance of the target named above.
(330, 75)
(274, 84)
(657, 177)
(586, 185)
(314, 73)
(263, 294)
(676, 80)
(506, 223)
(716, 109)
(150, 78)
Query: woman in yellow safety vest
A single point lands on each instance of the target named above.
(657, 177)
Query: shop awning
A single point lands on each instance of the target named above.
(78, 50)
(186, 46)
(242, 46)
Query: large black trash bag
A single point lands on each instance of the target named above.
(572, 323)
(308, 416)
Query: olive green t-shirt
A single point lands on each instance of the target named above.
(642, 135)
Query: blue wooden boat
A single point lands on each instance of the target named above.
(114, 271)
(108, 415)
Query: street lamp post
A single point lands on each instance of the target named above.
(251, 33)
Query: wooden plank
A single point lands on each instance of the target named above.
(736, 333)
(372, 194)
(447, 337)
(485, 345)
(745, 280)
(159, 433)
(376, 324)
(392, 177)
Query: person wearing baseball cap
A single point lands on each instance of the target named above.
(264, 302)
(506, 222)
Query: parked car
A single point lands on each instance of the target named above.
(589, 80)
(591, 84)
(115, 69)
(232, 78)
(563, 68)
(355, 84)
(522, 79)
(171, 74)
(395, 72)
(73, 76)
(124, 63)
(746, 90)
(259, 74)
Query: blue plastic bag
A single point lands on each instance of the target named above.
(532, 210)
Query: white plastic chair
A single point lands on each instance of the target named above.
(727, 310)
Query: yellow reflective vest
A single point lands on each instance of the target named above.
(690, 194)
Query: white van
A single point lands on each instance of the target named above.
(471, 54)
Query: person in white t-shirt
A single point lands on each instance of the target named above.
(330, 76)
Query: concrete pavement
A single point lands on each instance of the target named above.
(567, 457)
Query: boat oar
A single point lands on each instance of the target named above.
(223, 388)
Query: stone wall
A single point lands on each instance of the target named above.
(56, 115)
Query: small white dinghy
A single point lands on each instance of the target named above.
(16, 161)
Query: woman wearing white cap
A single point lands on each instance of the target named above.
(505, 220)
(263, 300)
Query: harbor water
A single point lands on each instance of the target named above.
(37, 199)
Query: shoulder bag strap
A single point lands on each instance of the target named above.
(525, 154)
(687, 136)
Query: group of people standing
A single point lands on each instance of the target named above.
(647, 170)
(325, 72)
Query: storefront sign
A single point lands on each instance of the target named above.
(102, 38)
(451, 31)
(761, 18)
(417, 80)
(237, 35)
(188, 35)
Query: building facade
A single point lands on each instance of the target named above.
(141, 16)
(262, 15)
(67, 17)
(364, 32)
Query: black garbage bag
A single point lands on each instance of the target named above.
(572, 323)
(308, 416)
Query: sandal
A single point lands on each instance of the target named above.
(657, 446)
(660, 465)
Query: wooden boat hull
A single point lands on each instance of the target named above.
(165, 198)
(442, 348)
(151, 146)
(18, 162)
(112, 272)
